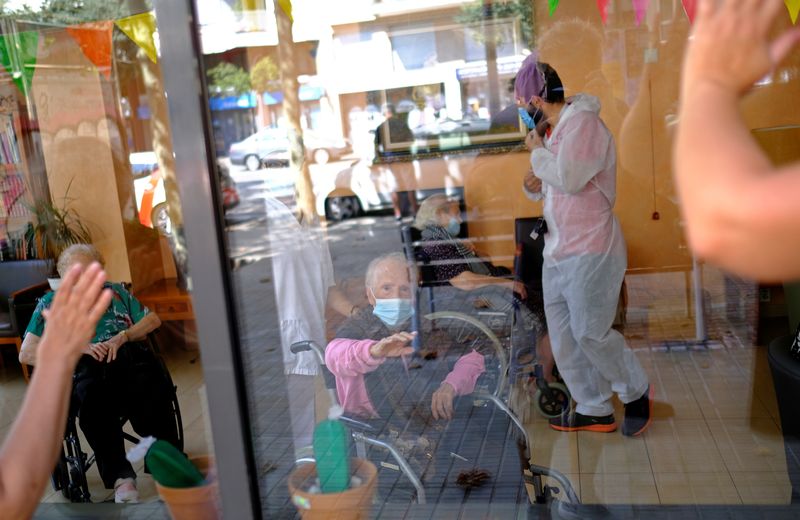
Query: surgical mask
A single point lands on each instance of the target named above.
(530, 120)
(393, 311)
(453, 227)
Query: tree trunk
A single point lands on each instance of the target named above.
(304, 192)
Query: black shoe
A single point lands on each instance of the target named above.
(575, 422)
(638, 414)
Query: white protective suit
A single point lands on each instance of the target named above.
(302, 273)
(585, 259)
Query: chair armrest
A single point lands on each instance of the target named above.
(22, 303)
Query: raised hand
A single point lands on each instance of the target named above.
(395, 345)
(442, 402)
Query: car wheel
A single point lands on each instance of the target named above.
(342, 208)
(252, 162)
(160, 219)
(321, 156)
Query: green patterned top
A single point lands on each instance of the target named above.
(124, 311)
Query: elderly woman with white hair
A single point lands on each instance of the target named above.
(117, 376)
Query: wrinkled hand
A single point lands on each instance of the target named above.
(393, 346)
(533, 140)
(78, 304)
(442, 402)
(98, 351)
(731, 48)
(113, 345)
(533, 183)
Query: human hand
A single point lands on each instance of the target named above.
(519, 288)
(533, 183)
(533, 140)
(442, 401)
(393, 346)
(114, 344)
(78, 304)
(731, 47)
(97, 350)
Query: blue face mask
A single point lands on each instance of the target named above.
(453, 227)
(527, 119)
(393, 311)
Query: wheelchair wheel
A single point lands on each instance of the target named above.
(466, 329)
(553, 401)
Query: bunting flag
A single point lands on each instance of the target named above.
(26, 45)
(794, 8)
(94, 40)
(140, 29)
(553, 6)
(602, 6)
(690, 8)
(286, 7)
(640, 8)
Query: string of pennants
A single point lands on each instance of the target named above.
(689, 7)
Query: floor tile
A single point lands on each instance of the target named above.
(749, 445)
(618, 489)
(696, 488)
(762, 487)
(557, 450)
(682, 446)
(612, 453)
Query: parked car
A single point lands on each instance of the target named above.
(151, 197)
(270, 147)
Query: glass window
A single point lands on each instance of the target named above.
(86, 158)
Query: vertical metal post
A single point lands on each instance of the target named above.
(701, 335)
(212, 294)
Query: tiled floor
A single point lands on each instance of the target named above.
(715, 438)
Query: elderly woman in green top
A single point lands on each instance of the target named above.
(117, 376)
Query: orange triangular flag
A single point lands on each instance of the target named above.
(794, 8)
(140, 29)
(94, 40)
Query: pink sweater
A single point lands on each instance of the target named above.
(349, 360)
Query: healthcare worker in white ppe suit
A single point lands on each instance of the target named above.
(573, 167)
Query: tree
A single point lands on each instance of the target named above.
(265, 75)
(227, 78)
(476, 12)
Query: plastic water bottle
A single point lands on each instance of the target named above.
(331, 453)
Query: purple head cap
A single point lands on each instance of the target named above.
(530, 81)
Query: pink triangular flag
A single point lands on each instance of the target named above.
(794, 8)
(602, 5)
(690, 7)
(640, 8)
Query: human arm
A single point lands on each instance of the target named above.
(29, 453)
(460, 381)
(583, 153)
(136, 332)
(467, 281)
(532, 186)
(351, 357)
(740, 210)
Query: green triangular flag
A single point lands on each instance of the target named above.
(553, 6)
(27, 47)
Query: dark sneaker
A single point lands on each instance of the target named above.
(638, 414)
(575, 422)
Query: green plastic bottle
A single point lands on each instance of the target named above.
(331, 453)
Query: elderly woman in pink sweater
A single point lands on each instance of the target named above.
(417, 400)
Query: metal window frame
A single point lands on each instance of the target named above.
(212, 292)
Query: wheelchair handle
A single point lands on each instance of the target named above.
(309, 345)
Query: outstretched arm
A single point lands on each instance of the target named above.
(741, 211)
(29, 453)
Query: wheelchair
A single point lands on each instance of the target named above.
(69, 475)
(550, 399)
(488, 396)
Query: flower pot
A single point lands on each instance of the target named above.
(194, 503)
(353, 504)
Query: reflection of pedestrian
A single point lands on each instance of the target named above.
(584, 255)
(303, 274)
(395, 131)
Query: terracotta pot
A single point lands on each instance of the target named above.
(194, 503)
(353, 504)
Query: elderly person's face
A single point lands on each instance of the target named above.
(390, 281)
(448, 211)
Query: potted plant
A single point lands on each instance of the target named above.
(55, 229)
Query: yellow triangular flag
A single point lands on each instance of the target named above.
(140, 29)
(794, 8)
(286, 7)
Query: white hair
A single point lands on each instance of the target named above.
(77, 251)
(427, 214)
(372, 268)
